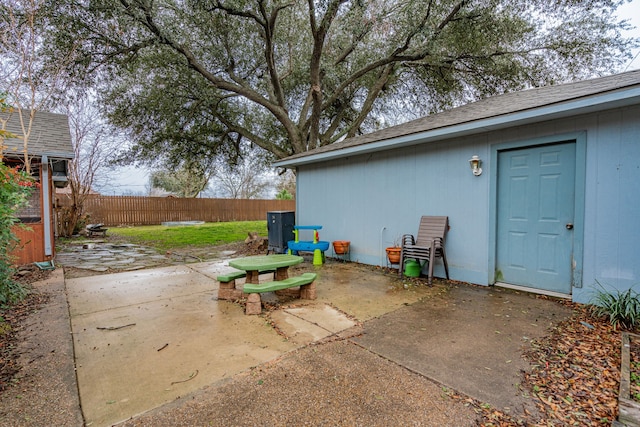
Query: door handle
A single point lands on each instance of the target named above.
(569, 226)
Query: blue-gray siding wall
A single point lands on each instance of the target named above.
(373, 199)
(612, 217)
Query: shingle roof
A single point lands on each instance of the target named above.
(50, 135)
(489, 108)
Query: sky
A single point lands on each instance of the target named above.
(127, 180)
(631, 11)
(130, 180)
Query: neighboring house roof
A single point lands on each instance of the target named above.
(50, 135)
(493, 113)
(67, 191)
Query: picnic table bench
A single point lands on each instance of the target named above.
(230, 278)
(252, 267)
(304, 281)
(228, 290)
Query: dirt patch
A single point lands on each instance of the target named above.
(634, 353)
(207, 253)
(11, 319)
(28, 274)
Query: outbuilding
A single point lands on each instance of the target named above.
(553, 207)
(48, 151)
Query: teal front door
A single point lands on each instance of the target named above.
(536, 192)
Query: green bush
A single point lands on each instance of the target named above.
(621, 307)
(284, 195)
(15, 188)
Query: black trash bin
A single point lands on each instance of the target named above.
(280, 230)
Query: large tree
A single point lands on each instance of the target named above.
(194, 78)
(187, 181)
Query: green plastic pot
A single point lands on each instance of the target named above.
(412, 268)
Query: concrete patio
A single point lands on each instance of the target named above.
(145, 338)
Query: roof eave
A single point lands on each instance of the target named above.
(600, 102)
(50, 155)
(59, 155)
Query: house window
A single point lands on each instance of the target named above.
(31, 213)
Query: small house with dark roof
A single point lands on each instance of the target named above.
(49, 150)
(552, 206)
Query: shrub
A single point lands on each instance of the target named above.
(284, 195)
(15, 188)
(621, 307)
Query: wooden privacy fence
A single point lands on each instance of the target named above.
(133, 210)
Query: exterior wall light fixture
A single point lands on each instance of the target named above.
(475, 163)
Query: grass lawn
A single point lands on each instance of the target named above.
(211, 233)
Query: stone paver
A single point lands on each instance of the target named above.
(100, 256)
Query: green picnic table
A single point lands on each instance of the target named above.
(254, 264)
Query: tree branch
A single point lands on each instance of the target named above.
(269, 29)
(319, 35)
(326, 137)
(278, 111)
(396, 55)
(352, 47)
(236, 12)
(374, 91)
(258, 140)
